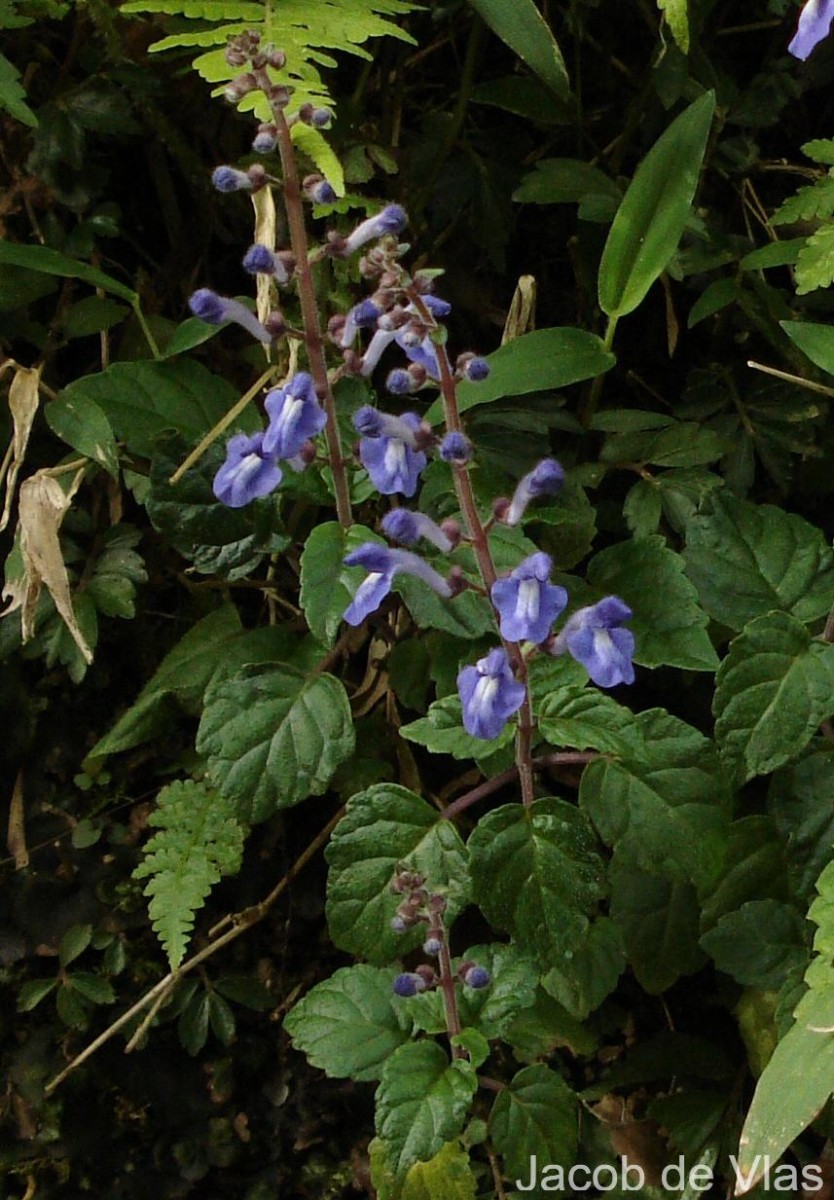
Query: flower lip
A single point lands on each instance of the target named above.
(814, 25)
(595, 637)
(489, 695)
(370, 556)
(247, 474)
(295, 416)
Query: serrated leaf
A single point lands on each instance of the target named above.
(588, 970)
(654, 211)
(383, 827)
(665, 813)
(815, 264)
(660, 923)
(800, 804)
(447, 1176)
(754, 868)
(535, 1115)
(773, 690)
(312, 142)
(421, 1102)
(536, 874)
(677, 18)
(326, 589)
(350, 1025)
(199, 841)
(492, 1009)
(442, 732)
(669, 625)
(273, 737)
(586, 718)
(466, 616)
(813, 202)
(759, 944)
(544, 1027)
(747, 559)
(13, 94)
(117, 572)
(565, 181)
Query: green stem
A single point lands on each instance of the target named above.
(146, 329)
(592, 403)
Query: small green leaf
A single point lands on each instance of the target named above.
(221, 1019)
(193, 1024)
(74, 942)
(92, 987)
(677, 18)
(33, 991)
(536, 1114)
(474, 1043)
(422, 1101)
(815, 263)
(273, 737)
(442, 732)
(654, 211)
(81, 424)
(759, 944)
(773, 690)
(13, 94)
(522, 27)
(327, 586)
(350, 1025)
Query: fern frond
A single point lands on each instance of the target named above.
(304, 29)
(199, 841)
(815, 264)
(816, 201)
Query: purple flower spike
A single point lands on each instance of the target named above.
(595, 638)
(382, 565)
(489, 695)
(546, 479)
(814, 25)
(392, 219)
(295, 416)
(403, 525)
(527, 602)
(229, 179)
(362, 316)
(214, 310)
(409, 984)
(247, 474)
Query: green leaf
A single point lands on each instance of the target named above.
(491, 1010)
(221, 1019)
(659, 921)
(326, 584)
(118, 570)
(74, 942)
(754, 869)
(815, 264)
(144, 399)
(747, 559)
(33, 991)
(523, 96)
(421, 1102)
(312, 142)
(668, 624)
(800, 803)
(565, 181)
(814, 340)
(466, 616)
(92, 987)
(92, 315)
(685, 444)
(536, 1114)
(71, 1008)
(51, 262)
(13, 94)
(586, 718)
(664, 813)
(589, 970)
(759, 944)
(193, 1024)
(81, 424)
(349, 1025)
(773, 690)
(274, 737)
(812, 203)
(384, 827)
(199, 841)
(677, 18)
(654, 211)
(643, 508)
(544, 360)
(447, 1176)
(522, 27)
(546, 1026)
(442, 732)
(536, 874)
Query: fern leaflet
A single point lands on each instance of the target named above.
(306, 30)
(199, 840)
(815, 264)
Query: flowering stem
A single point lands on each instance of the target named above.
(309, 308)
(483, 554)
(450, 999)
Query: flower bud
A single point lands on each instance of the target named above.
(275, 324)
(456, 449)
(432, 946)
(229, 179)
(409, 984)
(321, 117)
(239, 87)
(266, 139)
(305, 113)
(276, 59)
(477, 977)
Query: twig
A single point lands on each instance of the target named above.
(224, 423)
(242, 922)
(562, 758)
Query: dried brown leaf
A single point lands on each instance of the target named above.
(23, 403)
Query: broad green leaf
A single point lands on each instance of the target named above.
(586, 718)
(536, 874)
(74, 942)
(654, 211)
(547, 1026)
(677, 18)
(273, 737)
(814, 340)
(522, 27)
(199, 841)
(81, 424)
(535, 362)
(466, 616)
(143, 399)
(349, 1025)
(669, 625)
(754, 868)
(665, 813)
(773, 690)
(51, 262)
(489, 1010)
(33, 991)
(759, 944)
(326, 589)
(442, 732)
(536, 1114)
(589, 969)
(800, 804)
(421, 1102)
(685, 444)
(525, 97)
(94, 988)
(92, 315)
(659, 922)
(446, 1176)
(565, 181)
(384, 827)
(747, 559)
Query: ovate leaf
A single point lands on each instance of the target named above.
(586, 718)
(325, 590)
(536, 1114)
(522, 27)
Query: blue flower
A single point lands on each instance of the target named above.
(595, 638)
(400, 383)
(392, 219)
(814, 25)
(266, 139)
(476, 369)
(545, 479)
(214, 310)
(527, 602)
(362, 316)
(295, 416)
(323, 193)
(456, 448)
(247, 474)
(477, 977)
(409, 984)
(382, 564)
(388, 450)
(229, 179)
(489, 695)
(408, 527)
